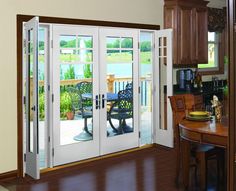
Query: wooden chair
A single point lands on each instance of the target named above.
(201, 153)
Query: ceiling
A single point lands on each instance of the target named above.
(217, 3)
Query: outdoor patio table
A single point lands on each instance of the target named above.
(110, 96)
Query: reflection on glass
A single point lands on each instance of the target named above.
(119, 92)
(145, 98)
(76, 103)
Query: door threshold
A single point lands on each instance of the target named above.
(86, 161)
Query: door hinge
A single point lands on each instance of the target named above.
(24, 42)
(24, 100)
(48, 87)
(52, 97)
(24, 157)
(138, 45)
(49, 139)
(139, 134)
(139, 89)
(53, 152)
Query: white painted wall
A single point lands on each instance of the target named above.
(138, 11)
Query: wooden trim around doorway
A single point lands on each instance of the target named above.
(51, 20)
(231, 174)
(8, 175)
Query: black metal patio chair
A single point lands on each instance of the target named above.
(122, 110)
(82, 107)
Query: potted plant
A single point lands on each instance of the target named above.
(70, 115)
(66, 107)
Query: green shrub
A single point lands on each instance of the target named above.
(41, 106)
(65, 105)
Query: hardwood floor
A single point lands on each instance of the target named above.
(151, 169)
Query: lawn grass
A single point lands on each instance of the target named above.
(124, 57)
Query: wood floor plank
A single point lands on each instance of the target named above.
(151, 169)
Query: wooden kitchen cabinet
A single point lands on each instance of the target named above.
(189, 21)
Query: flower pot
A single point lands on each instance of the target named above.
(70, 115)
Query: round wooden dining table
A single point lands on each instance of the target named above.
(203, 132)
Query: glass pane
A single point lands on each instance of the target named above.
(119, 89)
(163, 92)
(85, 55)
(212, 57)
(211, 36)
(76, 71)
(113, 42)
(42, 97)
(160, 52)
(31, 89)
(67, 41)
(146, 87)
(165, 51)
(127, 43)
(85, 41)
(116, 56)
(68, 55)
(164, 41)
(160, 41)
(76, 103)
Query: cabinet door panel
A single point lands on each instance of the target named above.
(185, 37)
(201, 35)
(170, 21)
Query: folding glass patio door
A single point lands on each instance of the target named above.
(30, 84)
(96, 93)
(93, 113)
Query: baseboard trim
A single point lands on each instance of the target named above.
(8, 175)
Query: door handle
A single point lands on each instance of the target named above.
(97, 102)
(103, 101)
(33, 108)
